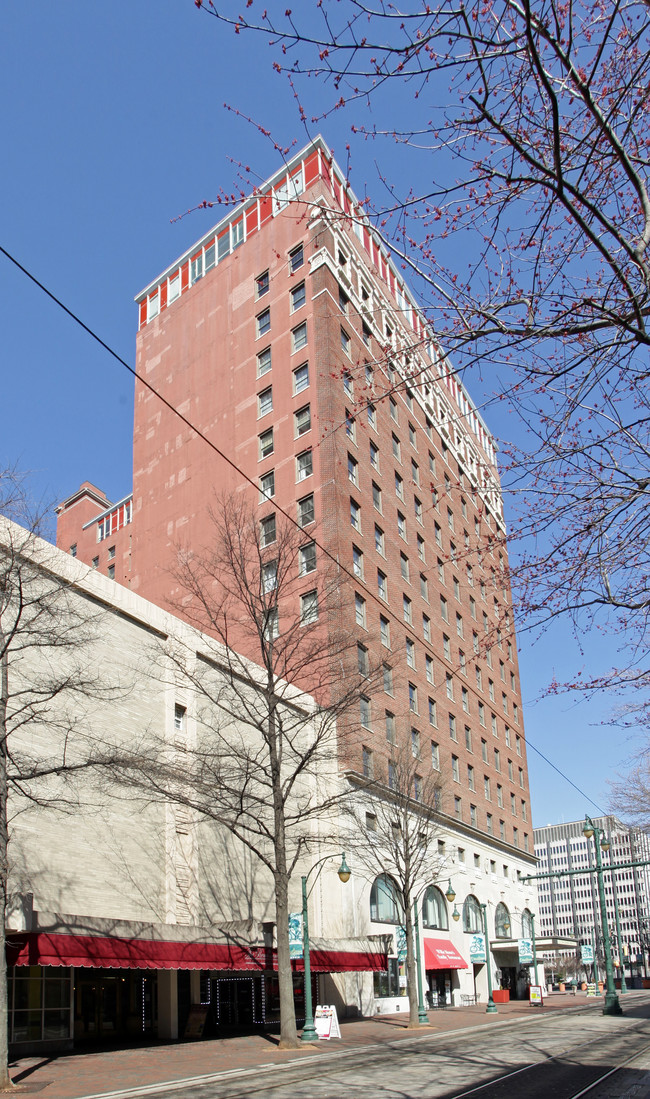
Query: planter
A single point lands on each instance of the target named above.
(501, 996)
(583, 986)
(561, 986)
(601, 986)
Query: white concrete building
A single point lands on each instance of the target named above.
(569, 905)
(127, 910)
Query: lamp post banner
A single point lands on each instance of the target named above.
(400, 942)
(477, 949)
(295, 935)
(525, 951)
(587, 954)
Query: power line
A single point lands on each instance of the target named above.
(172, 408)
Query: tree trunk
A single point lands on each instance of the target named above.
(288, 1030)
(5, 1079)
(411, 967)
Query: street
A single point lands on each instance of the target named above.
(550, 1056)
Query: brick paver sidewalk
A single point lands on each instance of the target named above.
(77, 1075)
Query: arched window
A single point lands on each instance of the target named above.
(385, 901)
(502, 922)
(526, 924)
(472, 915)
(434, 909)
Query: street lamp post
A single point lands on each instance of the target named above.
(621, 957)
(491, 1008)
(309, 1033)
(612, 1005)
(532, 927)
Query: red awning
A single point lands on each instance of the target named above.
(441, 954)
(40, 948)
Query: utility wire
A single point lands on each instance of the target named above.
(385, 609)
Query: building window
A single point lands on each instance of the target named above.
(357, 562)
(269, 577)
(393, 409)
(95, 562)
(304, 465)
(379, 540)
(429, 668)
(486, 788)
(350, 426)
(299, 337)
(433, 713)
(376, 496)
(401, 525)
(262, 284)
(412, 436)
(490, 831)
(345, 341)
(267, 530)
(452, 727)
(413, 698)
(449, 680)
(73, 549)
(473, 818)
(266, 443)
(111, 572)
(360, 610)
(179, 718)
(399, 487)
(384, 631)
(410, 652)
(446, 647)
(435, 756)
(455, 772)
(390, 726)
(382, 585)
(306, 510)
(417, 504)
(272, 624)
(296, 258)
(367, 763)
(444, 613)
(267, 486)
(374, 456)
(365, 712)
(302, 421)
(396, 448)
(263, 322)
(415, 743)
(355, 514)
(497, 760)
(307, 558)
(421, 551)
(363, 664)
(426, 628)
(406, 609)
(388, 678)
(404, 566)
(301, 378)
(458, 808)
(353, 470)
(298, 297)
(265, 401)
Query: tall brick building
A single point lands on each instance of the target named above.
(289, 338)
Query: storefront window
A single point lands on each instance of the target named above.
(434, 909)
(387, 982)
(39, 1000)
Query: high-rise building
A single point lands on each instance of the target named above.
(288, 338)
(569, 905)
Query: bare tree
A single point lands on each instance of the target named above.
(395, 833)
(264, 764)
(48, 680)
(525, 123)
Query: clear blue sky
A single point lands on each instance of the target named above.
(113, 124)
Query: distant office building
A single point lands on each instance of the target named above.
(570, 905)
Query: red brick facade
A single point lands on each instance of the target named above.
(391, 434)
